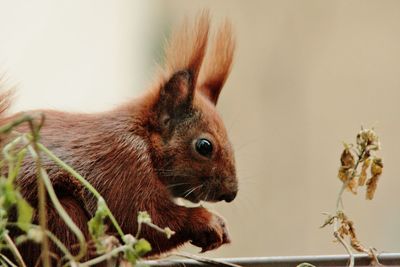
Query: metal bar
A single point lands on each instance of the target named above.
(387, 259)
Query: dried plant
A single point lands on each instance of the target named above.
(359, 167)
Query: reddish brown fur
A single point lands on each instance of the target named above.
(141, 155)
(218, 65)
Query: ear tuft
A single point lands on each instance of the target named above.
(218, 62)
(187, 46)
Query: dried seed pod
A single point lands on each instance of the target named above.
(347, 159)
(363, 174)
(347, 163)
(356, 244)
(377, 166)
(343, 174)
(372, 183)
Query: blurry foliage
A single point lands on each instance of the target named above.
(108, 248)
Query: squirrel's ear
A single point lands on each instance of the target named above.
(218, 63)
(175, 99)
(187, 47)
(184, 56)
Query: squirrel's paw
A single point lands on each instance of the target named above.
(213, 235)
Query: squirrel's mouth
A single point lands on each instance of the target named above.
(193, 197)
(186, 203)
(198, 193)
(190, 193)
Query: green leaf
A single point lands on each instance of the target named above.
(96, 224)
(8, 191)
(97, 228)
(3, 229)
(25, 213)
(131, 256)
(142, 246)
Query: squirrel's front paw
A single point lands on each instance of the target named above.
(214, 234)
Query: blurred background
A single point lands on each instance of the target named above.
(307, 75)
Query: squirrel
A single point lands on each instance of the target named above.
(168, 143)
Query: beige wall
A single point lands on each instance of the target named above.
(76, 55)
(307, 75)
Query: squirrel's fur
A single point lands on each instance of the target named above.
(141, 155)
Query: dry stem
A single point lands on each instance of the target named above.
(14, 250)
(338, 210)
(203, 259)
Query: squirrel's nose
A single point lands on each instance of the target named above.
(228, 197)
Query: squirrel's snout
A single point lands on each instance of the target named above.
(228, 197)
(228, 189)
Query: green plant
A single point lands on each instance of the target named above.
(108, 248)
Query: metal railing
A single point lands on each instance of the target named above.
(386, 259)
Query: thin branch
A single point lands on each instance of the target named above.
(8, 127)
(42, 212)
(85, 183)
(3, 259)
(105, 256)
(57, 205)
(203, 259)
(341, 240)
(41, 190)
(155, 227)
(60, 245)
(53, 238)
(14, 250)
(139, 230)
(340, 203)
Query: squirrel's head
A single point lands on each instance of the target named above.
(191, 150)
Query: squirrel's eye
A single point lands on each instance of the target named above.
(204, 147)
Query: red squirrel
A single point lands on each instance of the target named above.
(168, 143)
